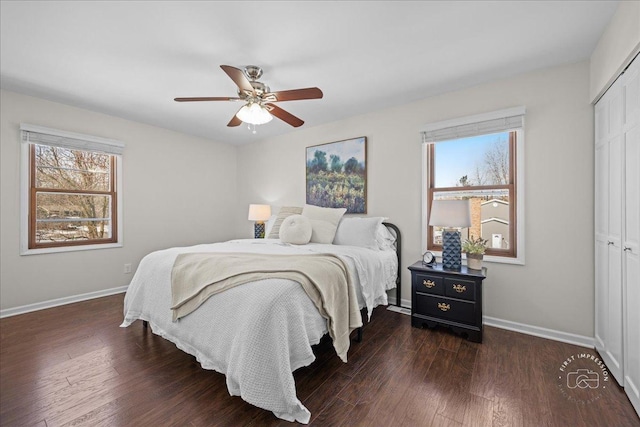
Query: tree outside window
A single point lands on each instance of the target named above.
(72, 197)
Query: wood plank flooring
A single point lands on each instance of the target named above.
(73, 366)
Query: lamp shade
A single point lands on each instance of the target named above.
(259, 212)
(254, 114)
(450, 213)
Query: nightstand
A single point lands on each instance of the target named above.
(447, 298)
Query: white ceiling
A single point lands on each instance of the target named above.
(130, 59)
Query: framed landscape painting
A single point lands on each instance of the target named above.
(337, 175)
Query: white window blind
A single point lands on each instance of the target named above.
(32, 134)
(495, 122)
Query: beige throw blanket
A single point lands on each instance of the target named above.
(324, 277)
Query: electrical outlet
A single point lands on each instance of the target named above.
(127, 269)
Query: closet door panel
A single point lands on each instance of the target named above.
(615, 191)
(616, 109)
(631, 156)
(601, 295)
(614, 347)
(608, 231)
(601, 217)
(631, 236)
(631, 97)
(614, 335)
(602, 192)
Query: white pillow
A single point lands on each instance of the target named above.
(324, 222)
(285, 211)
(358, 231)
(295, 229)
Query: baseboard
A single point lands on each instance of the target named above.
(537, 331)
(60, 301)
(400, 310)
(406, 303)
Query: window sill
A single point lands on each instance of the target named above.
(488, 258)
(503, 260)
(69, 249)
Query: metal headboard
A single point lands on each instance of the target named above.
(398, 245)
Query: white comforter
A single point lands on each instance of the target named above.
(256, 334)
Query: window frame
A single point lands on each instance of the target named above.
(511, 187)
(517, 163)
(28, 245)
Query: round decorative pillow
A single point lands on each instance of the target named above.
(295, 229)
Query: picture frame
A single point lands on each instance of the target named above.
(336, 175)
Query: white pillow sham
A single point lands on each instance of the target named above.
(359, 231)
(269, 225)
(324, 222)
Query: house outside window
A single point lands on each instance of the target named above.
(480, 159)
(71, 191)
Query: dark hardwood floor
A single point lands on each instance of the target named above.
(73, 365)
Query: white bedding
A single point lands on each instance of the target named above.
(262, 331)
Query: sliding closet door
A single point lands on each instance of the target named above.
(631, 236)
(601, 217)
(608, 236)
(617, 230)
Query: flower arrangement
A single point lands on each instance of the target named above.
(474, 246)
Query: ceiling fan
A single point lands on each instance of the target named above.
(259, 100)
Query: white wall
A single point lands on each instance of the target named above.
(178, 190)
(619, 43)
(185, 187)
(555, 288)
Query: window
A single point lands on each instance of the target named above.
(477, 158)
(71, 191)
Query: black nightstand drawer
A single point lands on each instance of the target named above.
(456, 288)
(428, 284)
(445, 308)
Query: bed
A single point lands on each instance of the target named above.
(257, 334)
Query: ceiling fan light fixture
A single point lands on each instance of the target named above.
(259, 108)
(254, 114)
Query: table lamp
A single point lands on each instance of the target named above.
(259, 214)
(451, 215)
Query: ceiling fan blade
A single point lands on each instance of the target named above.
(295, 94)
(235, 121)
(208, 98)
(284, 115)
(238, 77)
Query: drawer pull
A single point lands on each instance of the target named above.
(429, 283)
(444, 307)
(459, 288)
